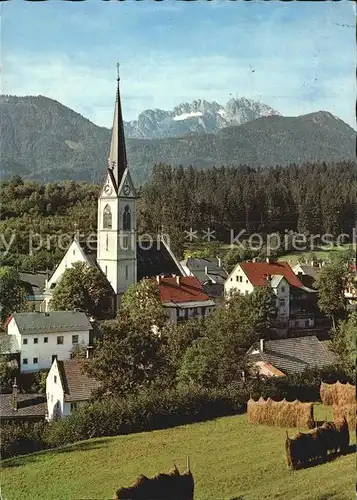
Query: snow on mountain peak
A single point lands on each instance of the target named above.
(198, 116)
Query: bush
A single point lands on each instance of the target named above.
(304, 386)
(21, 438)
(145, 412)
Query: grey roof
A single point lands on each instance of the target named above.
(34, 283)
(198, 266)
(52, 322)
(153, 258)
(293, 355)
(8, 344)
(311, 271)
(28, 406)
(77, 385)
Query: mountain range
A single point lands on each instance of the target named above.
(199, 116)
(43, 140)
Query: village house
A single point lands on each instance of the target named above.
(277, 358)
(18, 407)
(67, 388)
(118, 251)
(295, 302)
(183, 298)
(209, 272)
(34, 284)
(39, 338)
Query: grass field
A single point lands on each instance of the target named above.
(230, 458)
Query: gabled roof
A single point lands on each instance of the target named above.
(34, 283)
(156, 258)
(77, 386)
(258, 272)
(177, 290)
(28, 406)
(199, 266)
(307, 270)
(51, 322)
(292, 355)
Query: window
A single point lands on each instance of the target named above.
(35, 361)
(45, 340)
(282, 302)
(231, 279)
(283, 289)
(73, 406)
(107, 217)
(237, 278)
(241, 279)
(106, 242)
(246, 281)
(24, 341)
(74, 339)
(74, 252)
(125, 243)
(126, 218)
(60, 340)
(24, 361)
(35, 341)
(126, 272)
(55, 379)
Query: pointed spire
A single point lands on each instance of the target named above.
(117, 160)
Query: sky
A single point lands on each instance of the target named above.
(297, 57)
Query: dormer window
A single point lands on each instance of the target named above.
(107, 217)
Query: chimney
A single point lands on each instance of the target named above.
(206, 270)
(261, 345)
(15, 392)
(254, 259)
(158, 279)
(178, 280)
(268, 260)
(219, 262)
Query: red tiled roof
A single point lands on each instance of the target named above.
(189, 289)
(257, 272)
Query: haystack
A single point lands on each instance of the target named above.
(348, 411)
(171, 486)
(281, 413)
(337, 394)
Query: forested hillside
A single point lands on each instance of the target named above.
(312, 198)
(45, 141)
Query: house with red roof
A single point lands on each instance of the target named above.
(183, 297)
(295, 302)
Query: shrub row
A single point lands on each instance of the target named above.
(146, 412)
(21, 439)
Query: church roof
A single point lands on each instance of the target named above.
(153, 258)
(117, 160)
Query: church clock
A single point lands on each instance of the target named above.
(107, 189)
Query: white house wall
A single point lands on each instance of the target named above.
(44, 351)
(54, 393)
(238, 280)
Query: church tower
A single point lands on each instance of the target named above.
(117, 230)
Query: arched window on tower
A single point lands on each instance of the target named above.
(107, 217)
(126, 218)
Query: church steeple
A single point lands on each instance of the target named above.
(117, 160)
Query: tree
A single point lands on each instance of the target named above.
(263, 307)
(331, 284)
(12, 292)
(218, 357)
(85, 288)
(127, 358)
(344, 342)
(142, 300)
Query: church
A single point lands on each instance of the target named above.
(118, 252)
